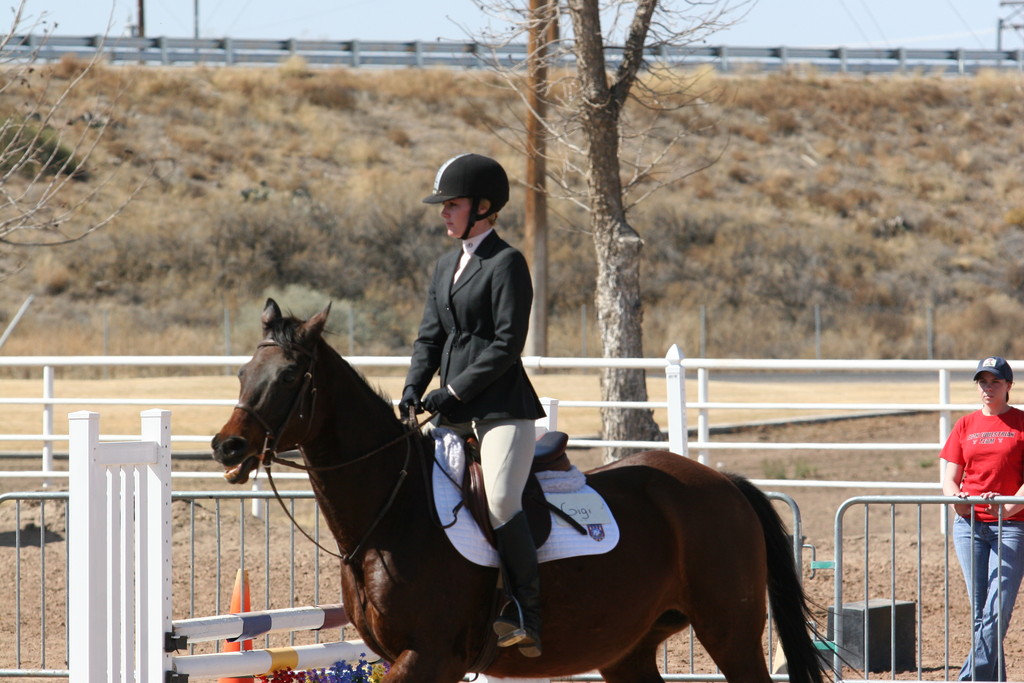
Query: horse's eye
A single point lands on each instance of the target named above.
(241, 372)
(289, 376)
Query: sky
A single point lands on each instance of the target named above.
(970, 24)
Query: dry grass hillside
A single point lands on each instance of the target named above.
(871, 200)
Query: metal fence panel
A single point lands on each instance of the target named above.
(165, 50)
(214, 533)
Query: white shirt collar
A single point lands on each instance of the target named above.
(470, 245)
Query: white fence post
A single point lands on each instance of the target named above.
(675, 380)
(120, 592)
(548, 423)
(47, 420)
(945, 427)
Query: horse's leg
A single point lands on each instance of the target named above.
(640, 665)
(735, 646)
(414, 667)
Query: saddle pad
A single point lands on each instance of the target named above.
(465, 535)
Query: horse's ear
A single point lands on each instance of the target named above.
(271, 312)
(314, 327)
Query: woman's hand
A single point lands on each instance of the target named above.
(1008, 510)
(964, 510)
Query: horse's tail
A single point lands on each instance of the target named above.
(785, 592)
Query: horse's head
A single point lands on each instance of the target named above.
(276, 384)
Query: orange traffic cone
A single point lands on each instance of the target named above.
(239, 603)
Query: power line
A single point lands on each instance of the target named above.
(871, 16)
(853, 20)
(964, 22)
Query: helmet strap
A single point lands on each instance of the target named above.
(473, 217)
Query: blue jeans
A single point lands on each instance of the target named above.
(993, 591)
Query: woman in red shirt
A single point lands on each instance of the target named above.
(984, 457)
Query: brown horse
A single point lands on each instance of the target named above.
(696, 547)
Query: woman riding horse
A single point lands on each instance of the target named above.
(473, 331)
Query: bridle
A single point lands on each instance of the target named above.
(269, 455)
(272, 436)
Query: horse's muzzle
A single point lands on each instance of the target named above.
(232, 453)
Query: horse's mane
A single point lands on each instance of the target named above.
(284, 331)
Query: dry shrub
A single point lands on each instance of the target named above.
(325, 92)
(783, 122)
(364, 153)
(1015, 216)
(473, 115)
(178, 89)
(70, 66)
(844, 201)
(52, 276)
(295, 66)
(428, 86)
(398, 137)
(755, 131)
(778, 187)
(993, 87)
(983, 324)
(192, 140)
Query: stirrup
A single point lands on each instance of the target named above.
(509, 631)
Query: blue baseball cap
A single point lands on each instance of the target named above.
(995, 365)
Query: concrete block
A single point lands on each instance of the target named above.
(880, 631)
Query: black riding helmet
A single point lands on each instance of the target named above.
(476, 177)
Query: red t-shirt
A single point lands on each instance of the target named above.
(990, 448)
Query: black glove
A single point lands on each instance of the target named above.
(439, 401)
(410, 399)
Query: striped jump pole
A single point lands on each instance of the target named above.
(249, 625)
(244, 626)
(267, 662)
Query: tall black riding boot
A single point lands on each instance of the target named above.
(519, 621)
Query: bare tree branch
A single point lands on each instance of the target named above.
(52, 120)
(608, 103)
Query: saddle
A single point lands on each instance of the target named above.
(549, 454)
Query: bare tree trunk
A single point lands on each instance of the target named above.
(618, 246)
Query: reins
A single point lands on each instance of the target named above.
(269, 454)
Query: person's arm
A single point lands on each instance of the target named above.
(952, 475)
(1012, 509)
(429, 344)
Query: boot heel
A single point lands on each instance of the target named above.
(529, 648)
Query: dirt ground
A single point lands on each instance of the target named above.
(904, 539)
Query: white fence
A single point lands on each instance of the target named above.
(691, 421)
(120, 538)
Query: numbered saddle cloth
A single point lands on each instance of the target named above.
(566, 490)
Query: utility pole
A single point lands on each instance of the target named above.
(1013, 20)
(543, 32)
(142, 19)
